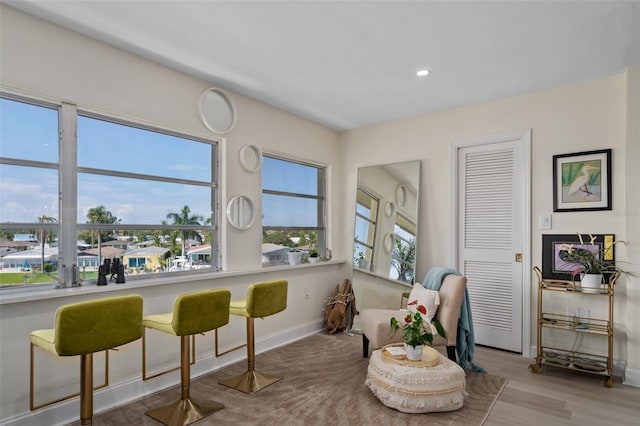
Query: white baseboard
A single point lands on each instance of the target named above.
(632, 377)
(113, 396)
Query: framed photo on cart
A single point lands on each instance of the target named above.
(582, 181)
(555, 268)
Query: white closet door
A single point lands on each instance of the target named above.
(490, 239)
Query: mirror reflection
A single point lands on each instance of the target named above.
(386, 220)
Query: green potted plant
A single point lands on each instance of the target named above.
(361, 261)
(415, 332)
(591, 263)
(313, 255)
(312, 251)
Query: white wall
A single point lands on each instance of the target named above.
(50, 62)
(43, 60)
(632, 288)
(581, 117)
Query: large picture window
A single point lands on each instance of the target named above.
(144, 196)
(149, 189)
(29, 212)
(293, 209)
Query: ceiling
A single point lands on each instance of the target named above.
(349, 64)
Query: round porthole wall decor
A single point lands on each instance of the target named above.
(240, 212)
(401, 195)
(388, 242)
(217, 111)
(389, 209)
(250, 158)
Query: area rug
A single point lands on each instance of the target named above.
(323, 384)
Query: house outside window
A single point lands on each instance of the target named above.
(293, 209)
(121, 185)
(136, 262)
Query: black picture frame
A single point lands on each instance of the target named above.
(582, 181)
(555, 268)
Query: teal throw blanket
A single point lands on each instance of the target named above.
(465, 341)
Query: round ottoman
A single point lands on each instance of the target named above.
(414, 387)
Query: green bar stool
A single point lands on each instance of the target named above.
(263, 299)
(84, 328)
(193, 313)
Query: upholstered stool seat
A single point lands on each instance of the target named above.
(44, 339)
(412, 388)
(84, 328)
(193, 313)
(263, 299)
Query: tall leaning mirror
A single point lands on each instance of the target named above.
(384, 242)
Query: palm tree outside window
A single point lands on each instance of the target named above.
(186, 218)
(404, 252)
(45, 236)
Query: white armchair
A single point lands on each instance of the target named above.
(375, 322)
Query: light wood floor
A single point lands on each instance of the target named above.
(555, 396)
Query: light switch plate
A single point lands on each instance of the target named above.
(545, 221)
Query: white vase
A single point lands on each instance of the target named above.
(363, 264)
(414, 353)
(591, 283)
(313, 259)
(294, 257)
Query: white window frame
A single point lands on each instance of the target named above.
(321, 227)
(398, 237)
(370, 244)
(68, 169)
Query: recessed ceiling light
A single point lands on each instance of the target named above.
(422, 73)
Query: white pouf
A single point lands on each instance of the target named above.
(414, 389)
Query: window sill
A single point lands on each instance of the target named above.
(21, 294)
(380, 277)
(286, 267)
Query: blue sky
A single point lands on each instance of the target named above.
(279, 175)
(31, 133)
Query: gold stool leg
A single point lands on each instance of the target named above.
(184, 411)
(144, 356)
(86, 389)
(32, 380)
(251, 380)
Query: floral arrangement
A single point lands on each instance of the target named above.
(588, 261)
(414, 330)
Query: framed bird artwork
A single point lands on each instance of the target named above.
(582, 181)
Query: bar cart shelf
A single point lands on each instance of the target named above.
(591, 363)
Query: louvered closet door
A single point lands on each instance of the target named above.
(490, 233)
